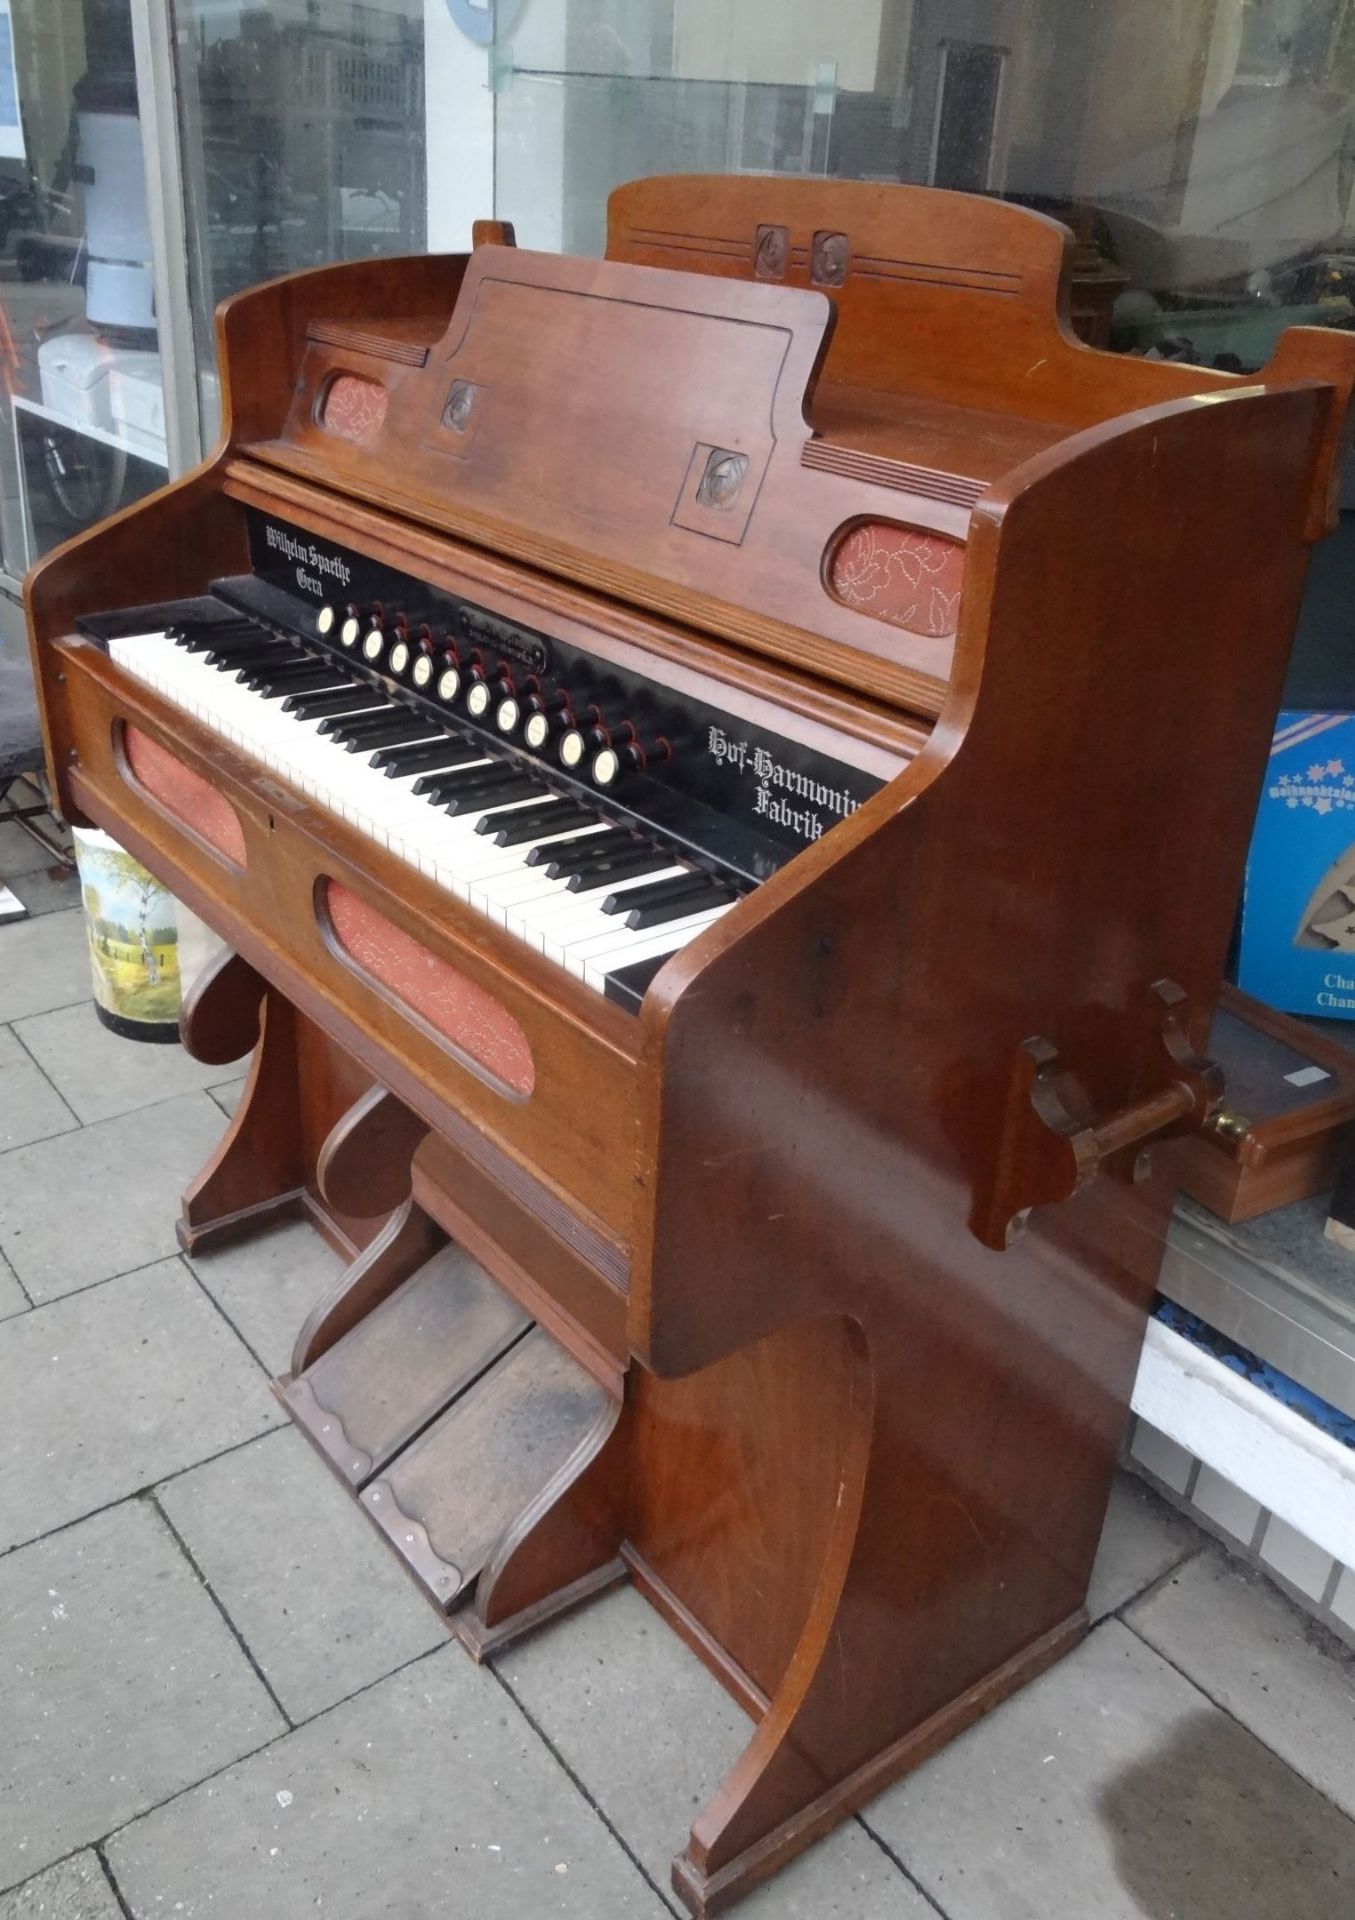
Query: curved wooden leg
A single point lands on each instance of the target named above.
(408, 1238)
(854, 1711)
(561, 1551)
(366, 1164)
(257, 1171)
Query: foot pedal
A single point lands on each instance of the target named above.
(453, 1493)
(372, 1391)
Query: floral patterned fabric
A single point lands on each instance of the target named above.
(354, 409)
(185, 795)
(898, 574)
(471, 1019)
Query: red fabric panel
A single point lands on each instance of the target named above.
(354, 408)
(898, 574)
(463, 1013)
(185, 794)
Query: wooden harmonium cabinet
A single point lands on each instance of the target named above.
(688, 751)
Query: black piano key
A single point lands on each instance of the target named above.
(522, 825)
(658, 891)
(239, 663)
(565, 860)
(272, 672)
(316, 706)
(217, 633)
(393, 732)
(677, 907)
(512, 786)
(628, 985)
(318, 681)
(625, 866)
(340, 726)
(241, 646)
(432, 756)
(440, 784)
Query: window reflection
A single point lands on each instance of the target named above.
(303, 132)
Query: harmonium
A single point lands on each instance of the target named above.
(724, 773)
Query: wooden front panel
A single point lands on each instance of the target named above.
(574, 1131)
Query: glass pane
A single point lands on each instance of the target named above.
(82, 428)
(303, 142)
(1203, 151)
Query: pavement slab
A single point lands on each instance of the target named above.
(1143, 1539)
(20, 852)
(314, 1594)
(110, 1391)
(12, 1296)
(104, 1200)
(120, 1684)
(100, 1073)
(1263, 1660)
(227, 1097)
(30, 1106)
(1112, 1788)
(49, 889)
(44, 963)
(427, 1795)
(651, 1734)
(77, 1889)
(267, 1285)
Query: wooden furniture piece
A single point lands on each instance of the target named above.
(1284, 1124)
(803, 1241)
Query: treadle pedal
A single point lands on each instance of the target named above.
(453, 1493)
(382, 1383)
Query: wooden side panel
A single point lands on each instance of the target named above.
(824, 1096)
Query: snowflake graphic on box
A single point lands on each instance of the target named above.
(1324, 787)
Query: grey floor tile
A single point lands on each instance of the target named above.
(1111, 1788)
(316, 1597)
(49, 889)
(20, 853)
(268, 1284)
(106, 1393)
(1143, 1539)
(78, 1889)
(228, 1097)
(43, 963)
(30, 1107)
(1249, 1649)
(102, 1074)
(651, 1734)
(12, 1296)
(105, 1200)
(426, 1796)
(119, 1684)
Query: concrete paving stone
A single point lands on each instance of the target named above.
(1263, 1660)
(316, 1597)
(102, 1074)
(20, 853)
(113, 1390)
(1143, 1539)
(12, 1296)
(1111, 1788)
(228, 1097)
(30, 1107)
(103, 1200)
(120, 1683)
(44, 963)
(428, 1795)
(268, 1284)
(78, 1889)
(51, 889)
(651, 1734)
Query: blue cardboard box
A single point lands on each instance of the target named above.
(1298, 911)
